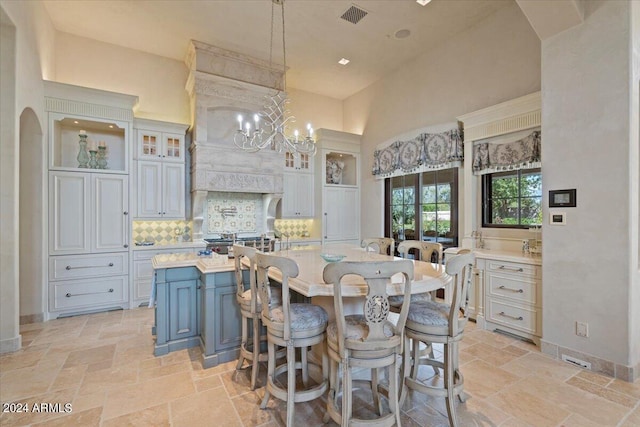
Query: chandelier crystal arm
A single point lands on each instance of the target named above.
(271, 124)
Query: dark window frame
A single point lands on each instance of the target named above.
(487, 212)
(418, 181)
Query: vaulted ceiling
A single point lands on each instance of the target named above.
(316, 36)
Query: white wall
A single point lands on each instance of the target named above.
(158, 82)
(34, 37)
(634, 158)
(495, 61)
(321, 111)
(591, 265)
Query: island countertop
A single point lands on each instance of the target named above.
(206, 264)
(509, 256)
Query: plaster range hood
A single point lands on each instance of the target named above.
(221, 85)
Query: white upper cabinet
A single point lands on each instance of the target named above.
(160, 190)
(297, 197)
(298, 163)
(159, 140)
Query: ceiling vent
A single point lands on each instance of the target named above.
(354, 14)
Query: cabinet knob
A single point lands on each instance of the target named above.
(159, 213)
(126, 246)
(125, 213)
(164, 213)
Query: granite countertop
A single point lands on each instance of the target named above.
(513, 256)
(206, 264)
(180, 245)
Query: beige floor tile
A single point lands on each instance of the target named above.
(609, 394)
(156, 416)
(528, 408)
(20, 359)
(69, 377)
(197, 410)
(208, 383)
(25, 382)
(478, 412)
(514, 422)
(92, 355)
(576, 420)
(490, 338)
(147, 374)
(633, 419)
(483, 379)
(492, 355)
(90, 417)
(106, 379)
(601, 380)
(539, 364)
(573, 399)
(85, 401)
(248, 408)
(630, 389)
(427, 416)
(131, 398)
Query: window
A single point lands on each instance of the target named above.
(434, 195)
(512, 199)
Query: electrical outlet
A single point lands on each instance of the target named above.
(582, 329)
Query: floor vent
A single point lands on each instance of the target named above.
(354, 14)
(577, 362)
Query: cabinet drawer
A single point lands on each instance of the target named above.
(515, 287)
(521, 318)
(514, 268)
(88, 293)
(80, 266)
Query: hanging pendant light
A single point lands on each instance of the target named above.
(269, 127)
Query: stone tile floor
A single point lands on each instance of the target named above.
(103, 365)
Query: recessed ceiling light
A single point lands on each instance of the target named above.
(75, 122)
(343, 61)
(111, 126)
(402, 34)
(423, 2)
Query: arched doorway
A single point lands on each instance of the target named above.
(32, 218)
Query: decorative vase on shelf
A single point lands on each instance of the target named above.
(83, 156)
(102, 157)
(93, 163)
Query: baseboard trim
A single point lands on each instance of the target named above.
(10, 345)
(598, 365)
(32, 318)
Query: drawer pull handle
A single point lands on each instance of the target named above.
(69, 294)
(519, 270)
(511, 289)
(503, 314)
(68, 267)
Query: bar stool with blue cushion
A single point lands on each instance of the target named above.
(382, 245)
(367, 340)
(436, 322)
(426, 251)
(290, 325)
(250, 308)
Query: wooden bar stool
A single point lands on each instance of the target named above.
(436, 322)
(367, 340)
(290, 325)
(383, 245)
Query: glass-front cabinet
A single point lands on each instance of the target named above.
(90, 145)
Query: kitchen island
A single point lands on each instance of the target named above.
(195, 305)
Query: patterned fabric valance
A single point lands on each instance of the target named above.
(521, 154)
(425, 151)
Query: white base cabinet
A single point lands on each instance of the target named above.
(512, 298)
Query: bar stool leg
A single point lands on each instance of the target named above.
(449, 374)
(243, 344)
(271, 366)
(393, 390)
(374, 390)
(305, 367)
(291, 383)
(256, 353)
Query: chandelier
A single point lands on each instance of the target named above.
(270, 126)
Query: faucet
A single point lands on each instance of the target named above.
(477, 237)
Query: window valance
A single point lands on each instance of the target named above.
(425, 151)
(523, 153)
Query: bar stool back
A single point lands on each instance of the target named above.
(290, 325)
(367, 340)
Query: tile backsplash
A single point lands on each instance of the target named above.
(294, 227)
(233, 213)
(162, 232)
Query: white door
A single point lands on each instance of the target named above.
(351, 214)
(173, 147)
(149, 197)
(173, 200)
(149, 145)
(69, 213)
(110, 213)
(333, 213)
(289, 195)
